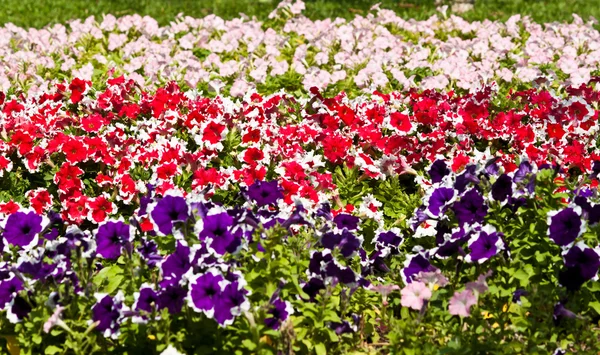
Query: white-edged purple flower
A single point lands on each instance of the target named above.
(112, 237)
(438, 170)
(8, 290)
(414, 264)
(581, 265)
(471, 208)
(18, 309)
(344, 220)
(146, 299)
(484, 244)
(22, 229)
(216, 231)
(468, 176)
(566, 225)
(231, 303)
(204, 291)
(175, 265)
(108, 313)
(388, 239)
(168, 210)
(345, 241)
(278, 312)
(439, 200)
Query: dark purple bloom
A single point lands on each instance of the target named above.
(217, 228)
(439, 199)
(448, 246)
(341, 273)
(345, 241)
(318, 262)
(560, 313)
(9, 289)
(18, 309)
(296, 217)
(175, 265)
(415, 264)
(22, 229)
(204, 292)
(388, 239)
(565, 225)
(594, 214)
(324, 211)
(517, 295)
(491, 168)
(149, 250)
(107, 312)
(111, 237)
(524, 169)
(471, 208)
(502, 188)
(172, 298)
(312, 287)
(468, 176)
(146, 300)
(485, 244)
(265, 192)
(581, 265)
(278, 313)
(231, 303)
(419, 217)
(438, 170)
(347, 221)
(168, 210)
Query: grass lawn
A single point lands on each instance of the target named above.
(38, 13)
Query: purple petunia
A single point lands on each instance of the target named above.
(8, 290)
(440, 198)
(265, 193)
(175, 265)
(485, 244)
(231, 303)
(204, 291)
(168, 210)
(344, 220)
(502, 188)
(278, 312)
(172, 298)
(566, 225)
(438, 170)
(112, 237)
(22, 229)
(345, 241)
(414, 264)
(581, 265)
(107, 312)
(471, 208)
(215, 229)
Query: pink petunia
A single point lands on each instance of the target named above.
(461, 303)
(414, 295)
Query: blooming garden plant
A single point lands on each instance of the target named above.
(251, 187)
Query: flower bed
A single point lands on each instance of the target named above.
(139, 214)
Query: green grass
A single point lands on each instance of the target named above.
(39, 13)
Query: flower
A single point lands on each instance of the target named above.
(414, 295)
(22, 229)
(55, 319)
(172, 298)
(216, 231)
(231, 303)
(433, 279)
(264, 192)
(565, 226)
(581, 265)
(168, 210)
(278, 312)
(111, 237)
(485, 244)
(461, 303)
(204, 291)
(9, 289)
(175, 265)
(415, 264)
(440, 199)
(438, 170)
(347, 221)
(107, 313)
(471, 208)
(502, 188)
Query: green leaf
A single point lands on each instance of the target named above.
(114, 283)
(320, 349)
(52, 349)
(596, 306)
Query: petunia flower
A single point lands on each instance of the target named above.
(22, 229)
(471, 208)
(485, 244)
(112, 237)
(415, 294)
(566, 225)
(204, 291)
(581, 265)
(167, 211)
(231, 303)
(461, 303)
(107, 312)
(278, 312)
(264, 192)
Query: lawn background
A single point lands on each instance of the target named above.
(39, 13)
